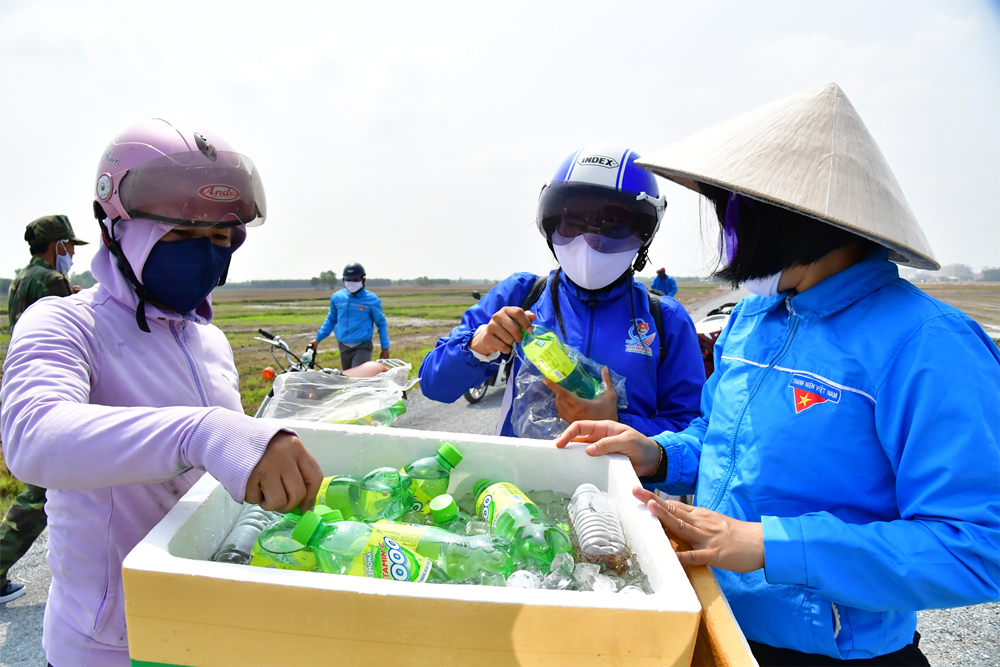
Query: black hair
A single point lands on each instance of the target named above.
(772, 239)
(35, 246)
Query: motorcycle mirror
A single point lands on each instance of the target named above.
(476, 295)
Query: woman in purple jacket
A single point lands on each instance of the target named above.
(117, 398)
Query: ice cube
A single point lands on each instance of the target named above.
(523, 579)
(586, 571)
(631, 590)
(603, 584)
(477, 528)
(557, 580)
(642, 583)
(563, 562)
(542, 498)
(493, 579)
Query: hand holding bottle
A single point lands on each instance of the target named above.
(503, 331)
(572, 408)
(286, 476)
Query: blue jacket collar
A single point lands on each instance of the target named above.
(836, 292)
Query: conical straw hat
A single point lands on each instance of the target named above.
(808, 152)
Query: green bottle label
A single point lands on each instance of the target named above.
(547, 353)
(297, 559)
(496, 498)
(389, 554)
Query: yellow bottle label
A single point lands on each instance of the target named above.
(496, 498)
(390, 553)
(323, 487)
(301, 558)
(547, 353)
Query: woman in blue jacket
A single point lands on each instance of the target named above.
(846, 463)
(599, 214)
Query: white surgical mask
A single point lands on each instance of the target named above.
(591, 269)
(353, 285)
(64, 263)
(767, 286)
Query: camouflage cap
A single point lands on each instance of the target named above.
(51, 228)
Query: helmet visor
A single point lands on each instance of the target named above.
(194, 189)
(612, 221)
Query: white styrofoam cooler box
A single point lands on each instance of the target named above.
(185, 610)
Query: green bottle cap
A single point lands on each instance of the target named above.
(480, 485)
(313, 521)
(443, 508)
(450, 454)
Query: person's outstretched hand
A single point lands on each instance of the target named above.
(572, 408)
(286, 477)
(384, 354)
(715, 539)
(314, 344)
(502, 331)
(607, 437)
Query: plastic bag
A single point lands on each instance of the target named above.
(534, 412)
(322, 396)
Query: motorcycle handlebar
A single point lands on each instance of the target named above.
(266, 334)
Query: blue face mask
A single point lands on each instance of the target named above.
(180, 274)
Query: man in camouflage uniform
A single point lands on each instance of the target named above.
(51, 240)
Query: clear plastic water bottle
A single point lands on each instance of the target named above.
(511, 514)
(431, 476)
(277, 546)
(384, 493)
(307, 357)
(238, 545)
(402, 552)
(546, 352)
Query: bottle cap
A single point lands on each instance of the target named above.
(450, 454)
(313, 521)
(443, 508)
(480, 485)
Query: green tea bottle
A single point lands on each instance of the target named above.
(384, 493)
(430, 476)
(511, 514)
(546, 352)
(403, 552)
(278, 546)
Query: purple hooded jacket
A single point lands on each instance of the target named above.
(117, 424)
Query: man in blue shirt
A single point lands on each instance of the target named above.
(664, 283)
(354, 313)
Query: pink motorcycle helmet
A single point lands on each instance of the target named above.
(157, 172)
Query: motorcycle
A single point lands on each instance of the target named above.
(502, 373)
(708, 330)
(326, 390)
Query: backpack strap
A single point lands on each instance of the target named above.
(657, 312)
(535, 292)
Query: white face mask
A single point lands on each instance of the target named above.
(353, 285)
(591, 269)
(64, 263)
(767, 286)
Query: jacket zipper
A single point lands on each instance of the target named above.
(793, 324)
(591, 303)
(190, 361)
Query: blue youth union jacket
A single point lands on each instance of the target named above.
(661, 396)
(352, 318)
(859, 421)
(666, 284)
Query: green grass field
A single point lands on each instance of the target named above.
(417, 318)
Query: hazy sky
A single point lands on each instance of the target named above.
(414, 137)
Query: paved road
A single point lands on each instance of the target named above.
(968, 636)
